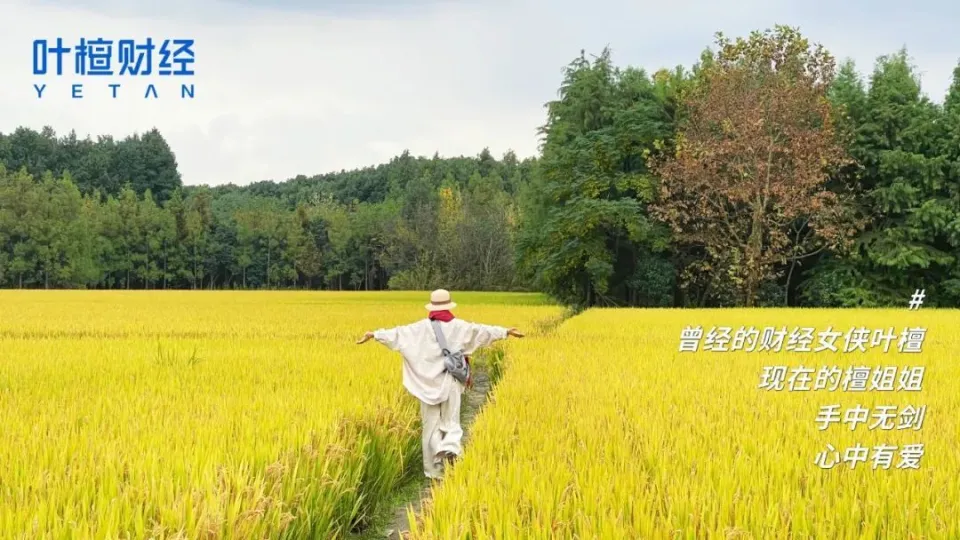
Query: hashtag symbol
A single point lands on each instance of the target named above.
(917, 299)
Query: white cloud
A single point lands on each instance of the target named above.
(285, 92)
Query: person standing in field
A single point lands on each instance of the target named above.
(425, 375)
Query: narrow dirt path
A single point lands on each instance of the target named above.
(473, 399)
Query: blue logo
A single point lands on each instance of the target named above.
(109, 61)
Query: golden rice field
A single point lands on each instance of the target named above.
(253, 415)
(604, 429)
(208, 414)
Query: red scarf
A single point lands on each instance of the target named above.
(445, 316)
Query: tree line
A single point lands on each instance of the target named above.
(408, 224)
(765, 174)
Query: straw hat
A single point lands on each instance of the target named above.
(440, 301)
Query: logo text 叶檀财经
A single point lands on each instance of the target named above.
(124, 68)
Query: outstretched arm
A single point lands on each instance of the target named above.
(481, 335)
(389, 337)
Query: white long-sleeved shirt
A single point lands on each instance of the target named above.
(424, 373)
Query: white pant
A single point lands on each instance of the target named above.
(441, 431)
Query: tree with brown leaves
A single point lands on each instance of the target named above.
(748, 177)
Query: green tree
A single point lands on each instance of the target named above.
(586, 226)
(909, 193)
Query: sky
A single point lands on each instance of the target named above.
(289, 87)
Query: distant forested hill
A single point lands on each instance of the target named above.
(764, 174)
